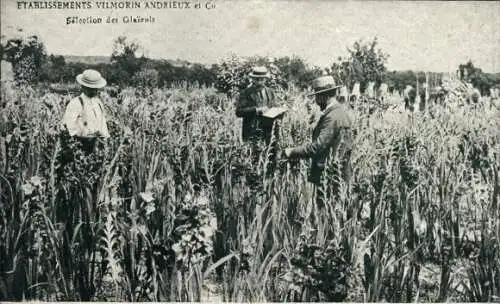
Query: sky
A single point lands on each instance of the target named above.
(428, 36)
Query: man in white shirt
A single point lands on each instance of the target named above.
(85, 117)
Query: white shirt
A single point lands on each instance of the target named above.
(86, 121)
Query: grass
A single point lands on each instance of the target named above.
(168, 206)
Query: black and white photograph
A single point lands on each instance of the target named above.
(249, 151)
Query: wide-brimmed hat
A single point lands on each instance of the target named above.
(323, 84)
(91, 79)
(259, 72)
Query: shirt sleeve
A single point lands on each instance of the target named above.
(327, 135)
(70, 118)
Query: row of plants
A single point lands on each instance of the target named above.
(173, 201)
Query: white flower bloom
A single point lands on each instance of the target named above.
(186, 237)
(177, 249)
(188, 197)
(421, 228)
(203, 201)
(146, 196)
(207, 231)
(36, 181)
(213, 223)
(28, 189)
(150, 208)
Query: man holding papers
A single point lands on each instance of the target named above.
(257, 105)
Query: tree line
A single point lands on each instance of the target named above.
(365, 62)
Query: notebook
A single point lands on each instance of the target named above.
(275, 112)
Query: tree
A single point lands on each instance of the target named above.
(232, 74)
(295, 71)
(145, 78)
(125, 60)
(27, 55)
(341, 71)
(54, 69)
(365, 63)
(57, 61)
(201, 74)
(480, 80)
(467, 71)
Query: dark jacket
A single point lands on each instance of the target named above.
(254, 127)
(332, 142)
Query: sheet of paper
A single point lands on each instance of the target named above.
(274, 112)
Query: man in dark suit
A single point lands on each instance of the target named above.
(331, 145)
(252, 103)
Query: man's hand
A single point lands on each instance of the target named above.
(261, 110)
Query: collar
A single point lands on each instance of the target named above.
(258, 87)
(85, 97)
(331, 106)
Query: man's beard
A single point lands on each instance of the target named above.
(322, 105)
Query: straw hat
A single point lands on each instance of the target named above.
(323, 84)
(91, 79)
(259, 72)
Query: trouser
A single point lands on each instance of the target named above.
(89, 145)
(69, 151)
(80, 165)
(76, 202)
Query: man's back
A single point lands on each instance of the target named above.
(338, 124)
(84, 117)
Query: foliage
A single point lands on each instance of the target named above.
(126, 68)
(295, 71)
(319, 274)
(418, 224)
(232, 74)
(365, 63)
(398, 80)
(479, 79)
(145, 78)
(195, 225)
(173, 199)
(27, 55)
(124, 56)
(56, 70)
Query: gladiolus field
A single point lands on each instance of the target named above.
(172, 208)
